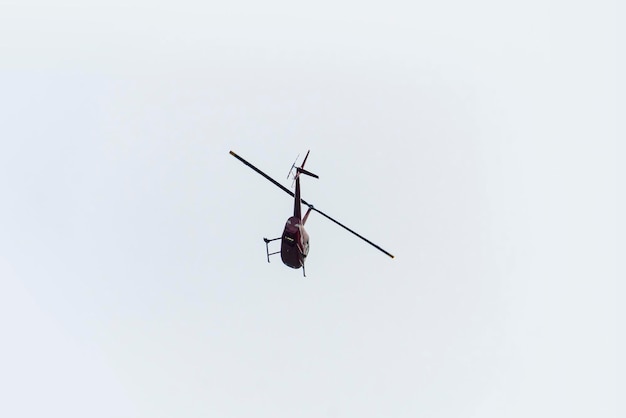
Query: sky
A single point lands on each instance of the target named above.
(477, 142)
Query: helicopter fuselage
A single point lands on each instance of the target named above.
(294, 245)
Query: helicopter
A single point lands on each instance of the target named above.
(294, 239)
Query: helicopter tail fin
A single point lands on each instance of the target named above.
(308, 173)
(301, 169)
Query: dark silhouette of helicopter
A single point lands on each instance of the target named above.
(294, 246)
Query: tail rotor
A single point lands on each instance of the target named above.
(293, 166)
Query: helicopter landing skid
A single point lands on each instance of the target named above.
(267, 248)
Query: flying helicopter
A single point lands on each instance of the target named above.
(294, 246)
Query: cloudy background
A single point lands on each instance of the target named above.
(475, 141)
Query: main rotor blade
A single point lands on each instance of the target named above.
(350, 230)
(277, 184)
(289, 192)
(280, 186)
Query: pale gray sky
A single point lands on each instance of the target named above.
(475, 141)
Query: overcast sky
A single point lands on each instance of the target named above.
(475, 141)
